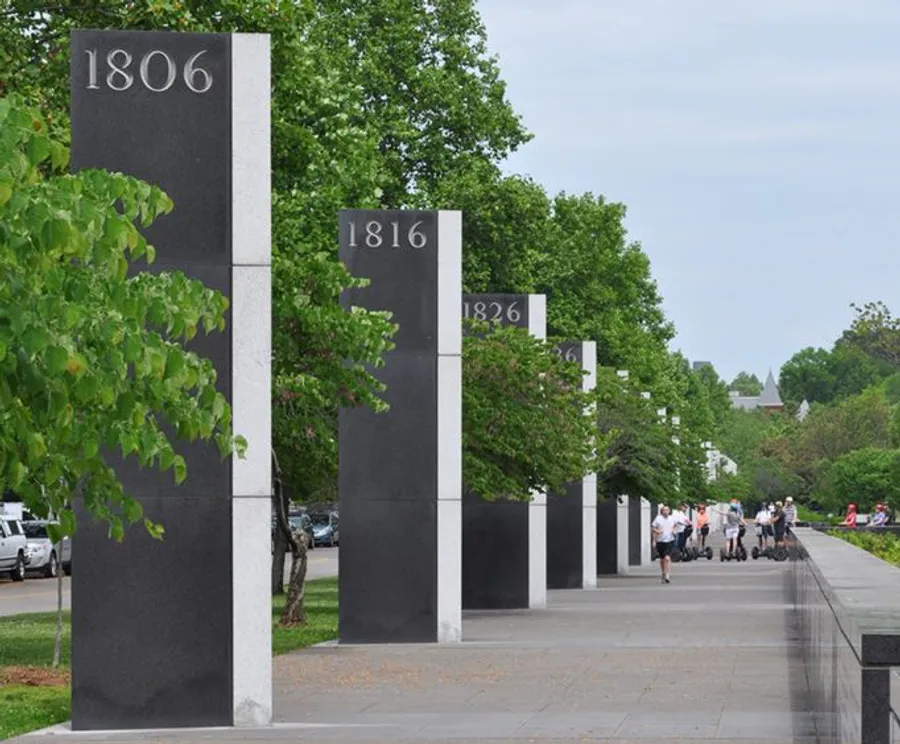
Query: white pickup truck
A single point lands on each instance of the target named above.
(13, 548)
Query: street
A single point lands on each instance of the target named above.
(39, 595)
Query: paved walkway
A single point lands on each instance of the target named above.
(709, 657)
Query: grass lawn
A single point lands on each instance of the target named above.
(32, 697)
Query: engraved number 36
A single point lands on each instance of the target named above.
(156, 70)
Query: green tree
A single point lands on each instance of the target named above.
(526, 422)
(746, 384)
(92, 360)
(599, 287)
(430, 90)
(876, 332)
(863, 476)
(808, 374)
(641, 457)
(90, 357)
(506, 227)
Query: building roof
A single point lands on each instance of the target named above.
(770, 397)
(747, 402)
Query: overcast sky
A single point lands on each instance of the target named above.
(753, 141)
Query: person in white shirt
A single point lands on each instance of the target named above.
(663, 528)
(763, 526)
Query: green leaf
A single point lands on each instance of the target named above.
(166, 458)
(55, 531)
(180, 467)
(91, 448)
(17, 473)
(55, 358)
(132, 510)
(67, 521)
(86, 388)
(35, 339)
(58, 402)
(133, 348)
(156, 531)
(174, 362)
(37, 447)
(219, 406)
(6, 192)
(38, 149)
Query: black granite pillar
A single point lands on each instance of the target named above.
(400, 472)
(634, 531)
(571, 548)
(177, 632)
(607, 536)
(504, 542)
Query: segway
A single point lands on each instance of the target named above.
(699, 553)
(740, 552)
(739, 555)
(758, 552)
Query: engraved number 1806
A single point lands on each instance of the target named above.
(119, 78)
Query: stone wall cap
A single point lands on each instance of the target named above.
(862, 592)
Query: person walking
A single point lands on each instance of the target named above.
(850, 519)
(664, 535)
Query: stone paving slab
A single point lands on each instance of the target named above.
(710, 657)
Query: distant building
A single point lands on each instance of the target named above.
(803, 410)
(700, 365)
(718, 463)
(769, 399)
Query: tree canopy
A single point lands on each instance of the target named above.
(93, 360)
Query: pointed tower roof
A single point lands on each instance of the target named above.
(770, 397)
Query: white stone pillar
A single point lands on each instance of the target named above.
(622, 536)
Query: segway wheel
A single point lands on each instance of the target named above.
(709, 553)
(676, 555)
(780, 554)
(721, 555)
(755, 553)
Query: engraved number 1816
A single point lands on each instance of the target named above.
(374, 235)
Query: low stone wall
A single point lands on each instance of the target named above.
(847, 603)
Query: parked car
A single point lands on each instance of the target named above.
(44, 555)
(325, 528)
(14, 554)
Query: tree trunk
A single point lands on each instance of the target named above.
(57, 642)
(294, 612)
(278, 558)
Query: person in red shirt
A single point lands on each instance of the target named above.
(702, 524)
(850, 519)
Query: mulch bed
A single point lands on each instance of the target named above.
(34, 676)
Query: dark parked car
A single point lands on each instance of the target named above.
(325, 528)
